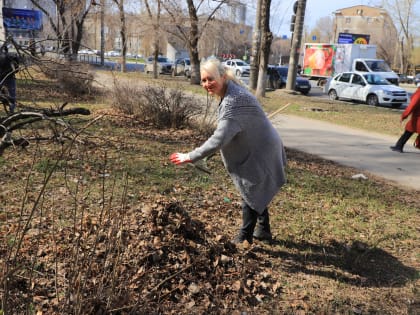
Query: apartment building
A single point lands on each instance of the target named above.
(372, 21)
(24, 21)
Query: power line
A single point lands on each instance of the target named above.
(285, 12)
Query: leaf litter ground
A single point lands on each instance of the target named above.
(118, 230)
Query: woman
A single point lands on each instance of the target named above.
(251, 149)
(413, 125)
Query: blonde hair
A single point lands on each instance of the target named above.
(217, 69)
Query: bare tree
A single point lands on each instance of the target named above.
(28, 124)
(22, 121)
(67, 22)
(255, 49)
(407, 21)
(155, 20)
(189, 27)
(216, 41)
(323, 30)
(266, 39)
(123, 33)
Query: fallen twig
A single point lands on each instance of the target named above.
(278, 111)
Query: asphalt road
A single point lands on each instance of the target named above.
(368, 152)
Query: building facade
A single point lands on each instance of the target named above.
(372, 21)
(23, 35)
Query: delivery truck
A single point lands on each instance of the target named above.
(322, 61)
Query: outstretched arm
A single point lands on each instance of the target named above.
(225, 131)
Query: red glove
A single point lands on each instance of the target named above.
(180, 158)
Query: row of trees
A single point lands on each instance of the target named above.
(188, 21)
(191, 21)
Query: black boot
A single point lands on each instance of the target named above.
(249, 219)
(402, 141)
(262, 230)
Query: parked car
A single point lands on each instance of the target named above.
(277, 79)
(86, 52)
(416, 79)
(112, 53)
(369, 88)
(182, 66)
(403, 78)
(239, 67)
(164, 65)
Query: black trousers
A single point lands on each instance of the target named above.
(249, 220)
(403, 139)
(254, 224)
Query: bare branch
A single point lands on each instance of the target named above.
(20, 120)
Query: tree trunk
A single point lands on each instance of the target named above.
(255, 50)
(193, 44)
(267, 38)
(123, 36)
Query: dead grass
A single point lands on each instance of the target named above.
(118, 229)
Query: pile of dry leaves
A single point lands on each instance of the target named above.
(158, 260)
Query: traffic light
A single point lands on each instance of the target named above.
(292, 23)
(295, 6)
(293, 18)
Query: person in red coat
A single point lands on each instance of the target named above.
(413, 125)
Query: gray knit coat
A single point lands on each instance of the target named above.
(251, 148)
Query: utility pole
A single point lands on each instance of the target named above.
(255, 50)
(297, 29)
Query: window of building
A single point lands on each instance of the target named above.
(348, 20)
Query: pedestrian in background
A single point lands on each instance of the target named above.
(250, 146)
(8, 67)
(413, 125)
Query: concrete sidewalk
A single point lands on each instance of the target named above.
(368, 152)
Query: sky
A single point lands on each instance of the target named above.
(281, 11)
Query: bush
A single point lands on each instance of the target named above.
(74, 78)
(125, 97)
(161, 106)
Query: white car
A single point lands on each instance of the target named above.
(164, 65)
(112, 53)
(239, 67)
(369, 88)
(182, 66)
(86, 52)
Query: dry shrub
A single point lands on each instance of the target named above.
(160, 106)
(168, 107)
(74, 78)
(125, 97)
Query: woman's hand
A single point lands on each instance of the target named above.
(180, 158)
